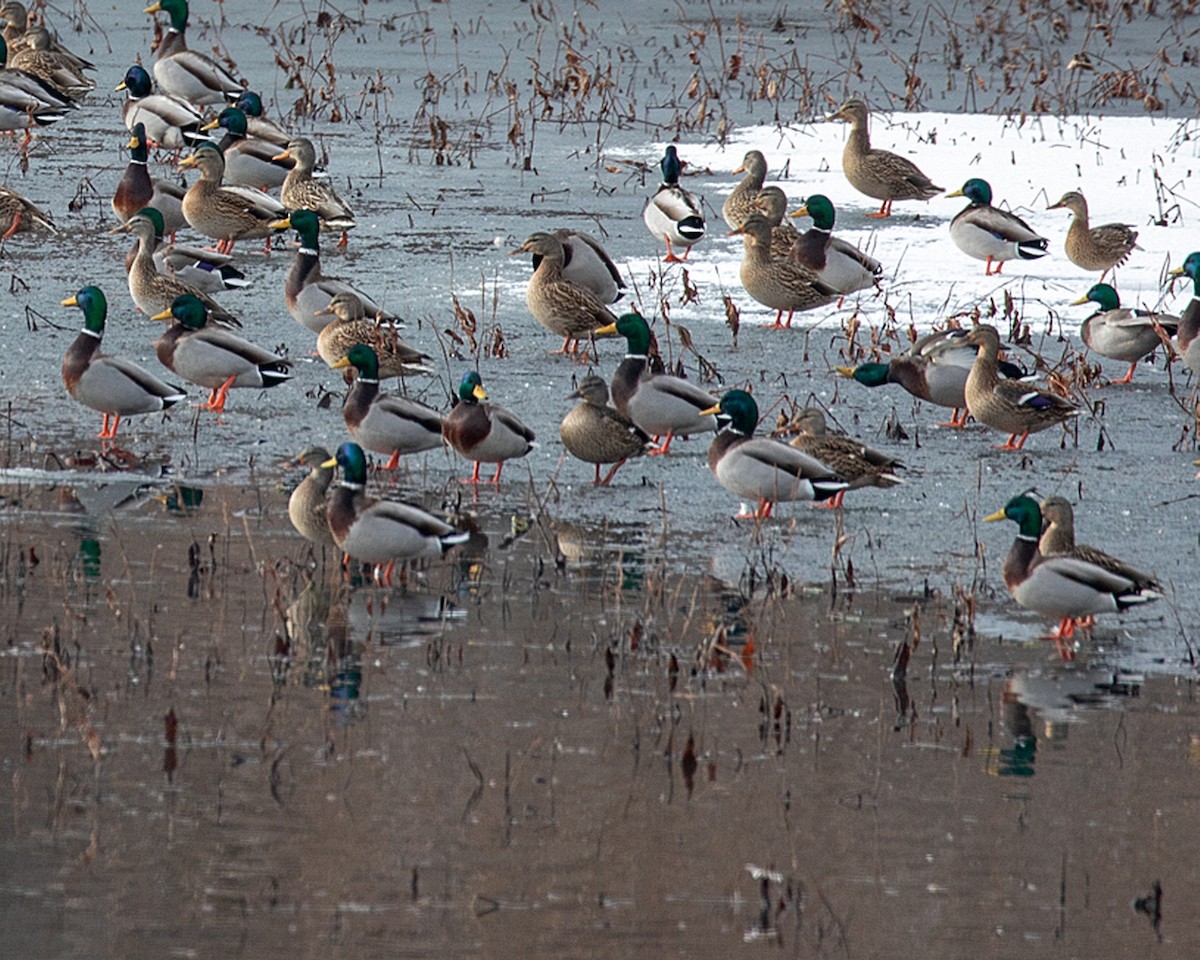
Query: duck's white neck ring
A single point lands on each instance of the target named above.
(635, 356)
(349, 485)
(140, 163)
(92, 333)
(1021, 536)
(308, 251)
(368, 380)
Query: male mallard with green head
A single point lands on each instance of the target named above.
(761, 469)
(988, 233)
(1122, 333)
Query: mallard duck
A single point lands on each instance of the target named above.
(381, 531)
(154, 292)
(740, 203)
(856, 463)
(58, 70)
(1187, 339)
(989, 233)
(838, 264)
(662, 405)
(934, 369)
(562, 307)
(20, 215)
(227, 214)
(772, 203)
(596, 433)
(204, 270)
(778, 284)
(168, 121)
(249, 161)
(760, 468)
(673, 215)
(115, 387)
(302, 191)
(308, 506)
(1094, 248)
(387, 424)
(27, 101)
(1058, 540)
(1122, 333)
(185, 73)
(212, 357)
(257, 124)
(1015, 408)
(1065, 587)
(588, 265)
(136, 190)
(880, 174)
(16, 27)
(395, 357)
(484, 432)
(307, 292)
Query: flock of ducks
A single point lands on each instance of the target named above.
(572, 290)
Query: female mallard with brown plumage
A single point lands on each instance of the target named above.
(740, 203)
(778, 284)
(226, 213)
(114, 386)
(761, 469)
(153, 291)
(772, 203)
(1094, 248)
(879, 174)
(1058, 540)
(18, 215)
(302, 191)
(856, 463)
(596, 433)
(484, 432)
(1010, 406)
(562, 307)
(307, 506)
(385, 423)
(935, 369)
(588, 265)
(1122, 333)
(59, 70)
(395, 357)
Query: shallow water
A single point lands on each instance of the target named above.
(635, 727)
(236, 753)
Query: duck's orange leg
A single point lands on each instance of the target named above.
(608, 476)
(664, 448)
(216, 401)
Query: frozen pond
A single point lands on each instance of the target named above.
(615, 722)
